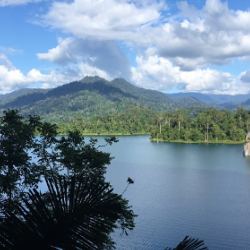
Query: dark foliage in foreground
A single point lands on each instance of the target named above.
(80, 209)
(75, 214)
(190, 244)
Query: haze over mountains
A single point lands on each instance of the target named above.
(94, 96)
(223, 101)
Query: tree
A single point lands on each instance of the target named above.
(79, 214)
(159, 121)
(80, 209)
(17, 171)
(76, 214)
(189, 244)
(83, 187)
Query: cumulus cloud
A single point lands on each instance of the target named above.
(12, 78)
(213, 35)
(104, 55)
(245, 76)
(17, 2)
(109, 19)
(174, 51)
(159, 73)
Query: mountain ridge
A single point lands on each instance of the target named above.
(92, 96)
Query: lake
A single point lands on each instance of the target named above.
(198, 190)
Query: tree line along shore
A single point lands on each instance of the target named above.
(193, 125)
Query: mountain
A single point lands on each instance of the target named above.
(230, 105)
(92, 96)
(11, 96)
(220, 99)
(198, 96)
(89, 97)
(188, 101)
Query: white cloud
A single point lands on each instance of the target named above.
(245, 76)
(158, 73)
(109, 19)
(17, 2)
(105, 55)
(213, 35)
(87, 70)
(12, 78)
(176, 51)
(62, 53)
(6, 62)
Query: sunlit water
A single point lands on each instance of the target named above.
(183, 189)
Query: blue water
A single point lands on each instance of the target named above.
(183, 189)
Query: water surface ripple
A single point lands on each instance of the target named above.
(183, 189)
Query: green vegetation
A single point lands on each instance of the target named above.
(193, 125)
(132, 121)
(79, 210)
(211, 126)
(90, 97)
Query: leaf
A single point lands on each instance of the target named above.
(190, 244)
(75, 214)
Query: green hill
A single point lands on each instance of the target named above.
(91, 96)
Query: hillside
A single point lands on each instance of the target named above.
(199, 96)
(220, 101)
(11, 96)
(92, 96)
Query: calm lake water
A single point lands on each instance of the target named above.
(183, 189)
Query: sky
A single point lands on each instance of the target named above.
(169, 46)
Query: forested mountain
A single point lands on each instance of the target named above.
(187, 101)
(11, 96)
(199, 96)
(89, 97)
(225, 101)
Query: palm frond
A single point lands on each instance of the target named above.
(75, 214)
(189, 244)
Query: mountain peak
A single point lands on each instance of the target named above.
(91, 79)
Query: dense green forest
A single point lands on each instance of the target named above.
(184, 125)
(209, 126)
(95, 106)
(136, 120)
(89, 97)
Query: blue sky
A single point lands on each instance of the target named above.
(169, 46)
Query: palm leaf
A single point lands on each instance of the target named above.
(190, 244)
(76, 214)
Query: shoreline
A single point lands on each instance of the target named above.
(198, 142)
(161, 140)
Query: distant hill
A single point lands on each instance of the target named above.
(230, 105)
(219, 99)
(222, 101)
(188, 101)
(199, 96)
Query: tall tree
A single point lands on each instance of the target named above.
(36, 216)
(17, 171)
